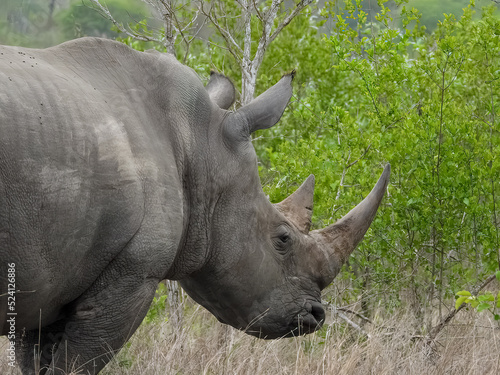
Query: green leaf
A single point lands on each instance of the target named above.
(464, 293)
(497, 317)
(486, 297)
(459, 302)
(497, 274)
(483, 306)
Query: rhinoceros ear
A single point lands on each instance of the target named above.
(221, 90)
(262, 112)
(298, 207)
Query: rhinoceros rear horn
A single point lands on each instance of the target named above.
(221, 90)
(339, 240)
(298, 207)
(262, 112)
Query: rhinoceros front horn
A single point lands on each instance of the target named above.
(339, 240)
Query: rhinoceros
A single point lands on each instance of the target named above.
(119, 169)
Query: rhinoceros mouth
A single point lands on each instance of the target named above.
(310, 318)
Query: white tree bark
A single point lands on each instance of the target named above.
(250, 65)
(175, 308)
(168, 21)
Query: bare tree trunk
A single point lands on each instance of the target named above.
(167, 15)
(247, 81)
(50, 18)
(365, 303)
(250, 65)
(174, 309)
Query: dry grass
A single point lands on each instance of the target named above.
(470, 345)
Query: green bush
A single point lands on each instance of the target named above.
(82, 19)
(426, 103)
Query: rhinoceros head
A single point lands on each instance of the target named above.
(265, 268)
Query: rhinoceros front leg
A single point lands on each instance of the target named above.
(96, 327)
(35, 349)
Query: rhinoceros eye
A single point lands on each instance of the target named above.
(283, 238)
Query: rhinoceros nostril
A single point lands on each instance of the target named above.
(317, 311)
(311, 318)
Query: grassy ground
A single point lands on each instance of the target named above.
(469, 345)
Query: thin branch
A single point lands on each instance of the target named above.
(367, 87)
(340, 314)
(289, 19)
(341, 183)
(444, 322)
(392, 124)
(233, 47)
(215, 44)
(105, 12)
(361, 316)
(195, 18)
(265, 40)
(194, 36)
(459, 69)
(429, 74)
(259, 15)
(361, 157)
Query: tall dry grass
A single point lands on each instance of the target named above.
(469, 345)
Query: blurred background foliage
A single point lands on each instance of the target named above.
(42, 23)
(414, 83)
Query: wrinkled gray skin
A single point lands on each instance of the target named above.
(118, 169)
